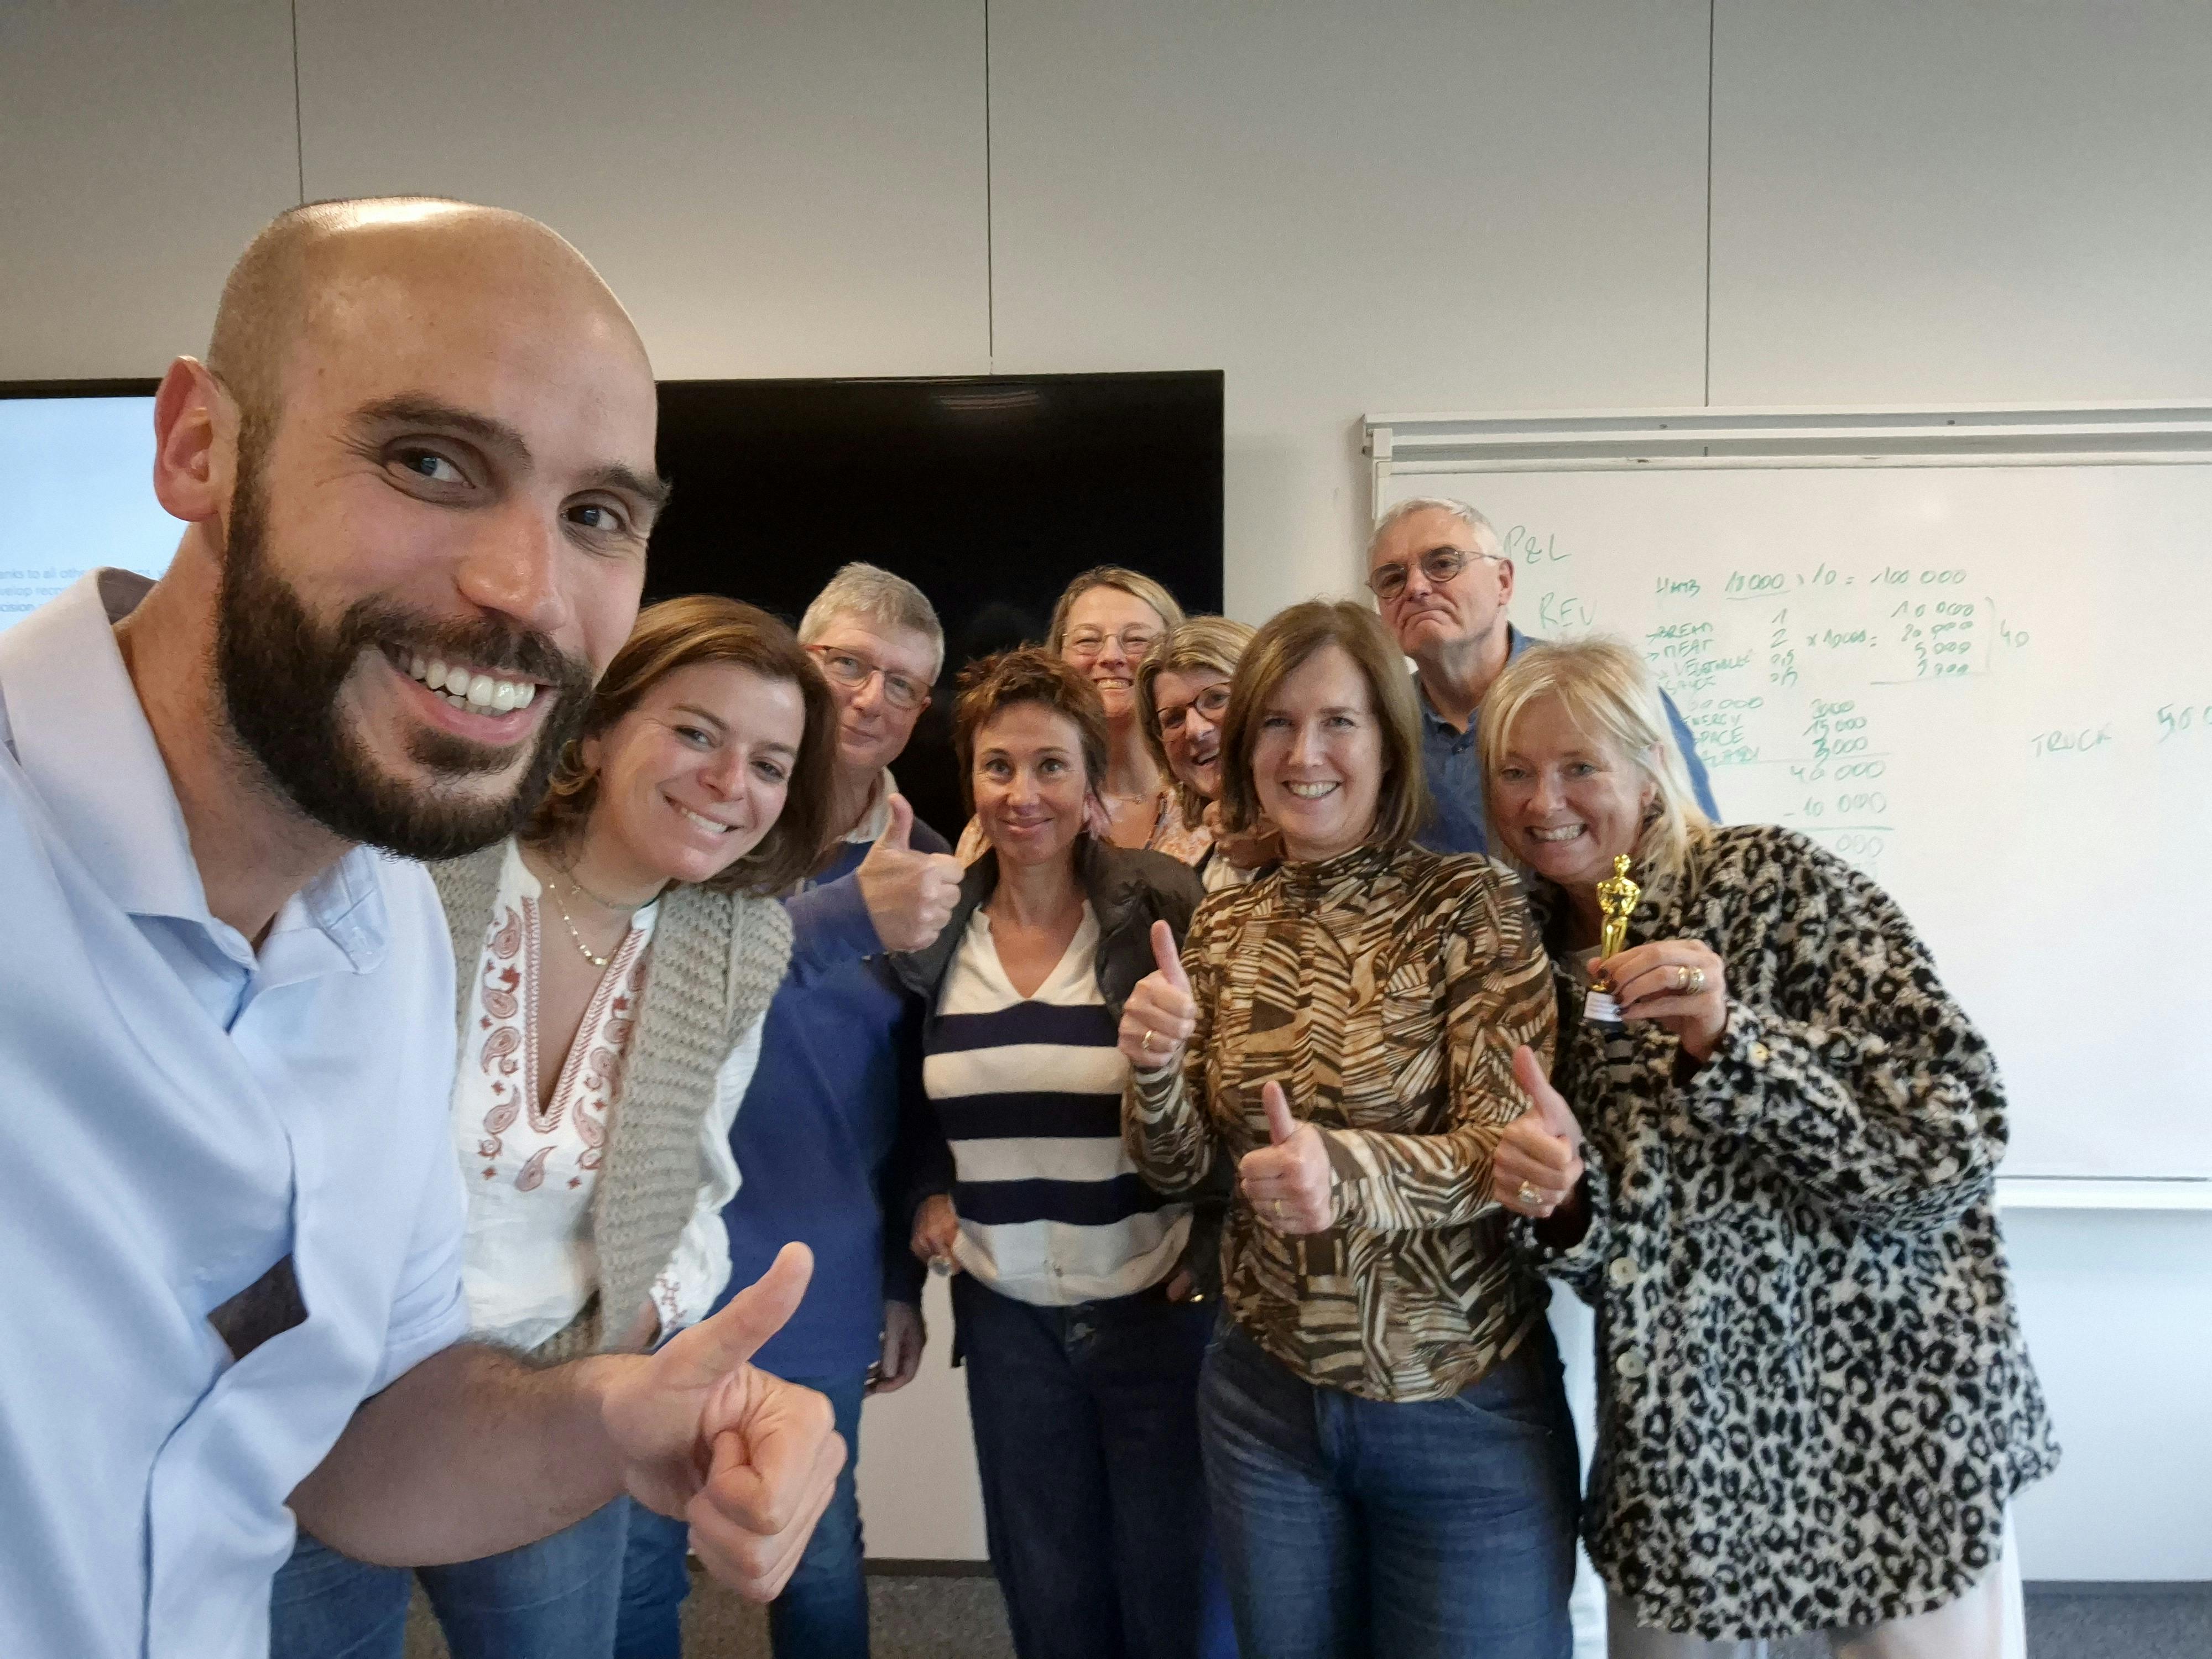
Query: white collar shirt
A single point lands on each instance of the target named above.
(185, 1113)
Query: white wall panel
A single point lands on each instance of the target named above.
(141, 147)
(1347, 208)
(772, 189)
(1979, 201)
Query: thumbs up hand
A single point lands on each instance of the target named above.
(750, 1459)
(1287, 1180)
(1538, 1162)
(1161, 1013)
(909, 895)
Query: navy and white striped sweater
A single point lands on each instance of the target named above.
(1028, 1091)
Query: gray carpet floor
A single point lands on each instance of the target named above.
(962, 1617)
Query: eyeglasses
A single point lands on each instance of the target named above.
(1135, 641)
(1209, 703)
(1438, 564)
(847, 668)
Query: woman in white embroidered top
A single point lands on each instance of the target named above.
(614, 962)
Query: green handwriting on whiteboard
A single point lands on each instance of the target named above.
(2076, 740)
(2178, 719)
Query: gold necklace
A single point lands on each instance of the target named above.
(569, 875)
(569, 921)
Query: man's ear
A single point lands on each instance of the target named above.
(195, 443)
(1504, 579)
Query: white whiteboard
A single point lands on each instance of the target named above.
(1989, 686)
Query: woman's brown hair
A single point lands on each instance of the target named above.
(1284, 645)
(1027, 675)
(701, 628)
(1197, 645)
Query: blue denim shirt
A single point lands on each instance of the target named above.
(1454, 771)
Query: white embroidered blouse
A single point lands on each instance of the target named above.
(531, 1263)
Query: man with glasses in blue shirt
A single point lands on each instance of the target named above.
(1443, 582)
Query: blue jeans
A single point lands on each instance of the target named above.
(1093, 1500)
(554, 1599)
(1351, 1527)
(822, 1613)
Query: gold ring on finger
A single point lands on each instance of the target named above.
(1528, 1195)
(1148, 1039)
(1696, 982)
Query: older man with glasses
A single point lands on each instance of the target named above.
(1443, 585)
(818, 1137)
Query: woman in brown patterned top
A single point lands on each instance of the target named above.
(1387, 1448)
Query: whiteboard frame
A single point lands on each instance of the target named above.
(1700, 439)
(1965, 434)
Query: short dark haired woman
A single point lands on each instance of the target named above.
(1082, 1362)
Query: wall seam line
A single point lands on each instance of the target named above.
(990, 206)
(299, 127)
(1712, 8)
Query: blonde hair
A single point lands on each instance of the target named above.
(1134, 583)
(1610, 696)
(1281, 646)
(1198, 645)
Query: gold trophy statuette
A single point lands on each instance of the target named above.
(1617, 898)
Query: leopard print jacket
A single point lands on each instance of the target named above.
(1813, 1399)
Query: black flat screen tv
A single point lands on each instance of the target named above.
(988, 493)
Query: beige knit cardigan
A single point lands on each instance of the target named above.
(715, 961)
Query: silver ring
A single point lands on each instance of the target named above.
(1528, 1195)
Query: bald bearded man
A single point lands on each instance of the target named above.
(230, 1214)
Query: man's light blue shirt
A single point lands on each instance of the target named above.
(1453, 760)
(182, 1114)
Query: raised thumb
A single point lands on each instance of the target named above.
(1550, 1104)
(714, 1347)
(1281, 1126)
(901, 828)
(1169, 959)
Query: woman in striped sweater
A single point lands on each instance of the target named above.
(1083, 1344)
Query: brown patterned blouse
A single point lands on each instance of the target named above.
(1386, 990)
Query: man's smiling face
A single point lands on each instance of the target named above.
(455, 485)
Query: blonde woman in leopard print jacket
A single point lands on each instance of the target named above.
(1776, 1189)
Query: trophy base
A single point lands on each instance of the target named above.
(1599, 1008)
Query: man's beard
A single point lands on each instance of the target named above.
(281, 673)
